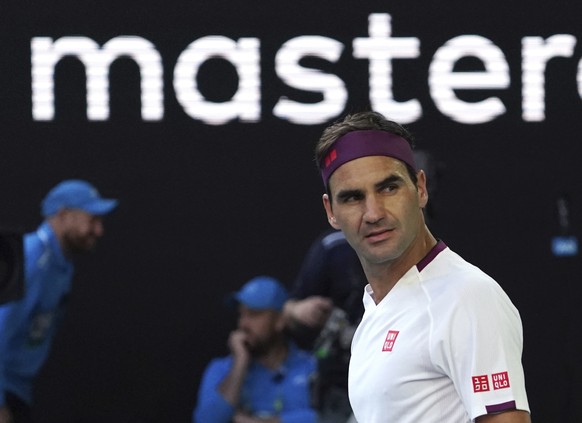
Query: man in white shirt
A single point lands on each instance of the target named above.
(439, 341)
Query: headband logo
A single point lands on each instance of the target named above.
(330, 157)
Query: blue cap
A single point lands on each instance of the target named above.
(76, 194)
(262, 293)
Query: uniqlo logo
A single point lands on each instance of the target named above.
(390, 340)
(480, 383)
(500, 380)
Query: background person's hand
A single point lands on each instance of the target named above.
(240, 417)
(237, 344)
(312, 311)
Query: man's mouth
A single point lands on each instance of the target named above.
(378, 235)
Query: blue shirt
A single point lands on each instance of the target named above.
(27, 326)
(265, 393)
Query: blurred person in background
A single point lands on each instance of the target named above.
(323, 310)
(266, 378)
(73, 211)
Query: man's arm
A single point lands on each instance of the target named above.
(245, 418)
(211, 406)
(222, 382)
(311, 311)
(232, 384)
(514, 416)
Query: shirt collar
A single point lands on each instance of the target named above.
(48, 237)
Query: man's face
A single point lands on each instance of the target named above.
(81, 230)
(260, 326)
(377, 206)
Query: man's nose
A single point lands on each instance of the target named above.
(374, 209)
(98, 228)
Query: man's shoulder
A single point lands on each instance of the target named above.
(452, 278)
(219, 364)
(332, 239)
(34, 248)
(221, 360)
(37, 241)
(451, 266)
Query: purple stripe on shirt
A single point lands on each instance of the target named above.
(497, 408)
(440, 246)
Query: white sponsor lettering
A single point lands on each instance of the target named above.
(380, 48)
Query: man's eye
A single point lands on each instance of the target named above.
(350, 198)
(390, 188)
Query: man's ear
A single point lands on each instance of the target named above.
(422, 189)
(328, 210)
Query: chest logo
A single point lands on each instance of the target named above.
(390, 340)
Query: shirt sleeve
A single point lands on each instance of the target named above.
(482, 350)
(211, 406)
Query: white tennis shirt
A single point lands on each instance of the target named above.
(443, 346)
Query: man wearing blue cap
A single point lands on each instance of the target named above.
(72, 212)
(266, 377)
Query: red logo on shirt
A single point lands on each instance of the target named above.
(390, 340)
(500, 380)
(480, 383)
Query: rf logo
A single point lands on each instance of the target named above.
(330, 157)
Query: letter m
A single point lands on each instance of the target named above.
(46, 53)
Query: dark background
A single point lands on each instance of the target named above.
(204, 208)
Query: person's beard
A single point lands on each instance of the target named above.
(259, 348)
(263, 346)
(74, 244)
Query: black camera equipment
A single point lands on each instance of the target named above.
(11, 266)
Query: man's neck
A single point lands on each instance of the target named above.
(275, 356)
(383, 277)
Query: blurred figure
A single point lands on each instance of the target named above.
(323, 311)
(265, 378)
(72, 224)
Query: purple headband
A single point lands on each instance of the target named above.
(356, 144)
